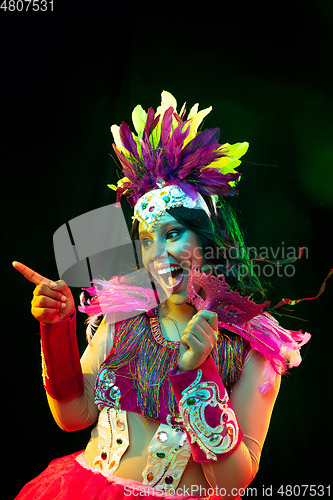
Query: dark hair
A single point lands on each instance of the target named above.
(222, 243)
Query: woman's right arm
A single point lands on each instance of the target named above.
(81, 412)
(69, 383)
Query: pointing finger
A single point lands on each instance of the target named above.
(31, 275)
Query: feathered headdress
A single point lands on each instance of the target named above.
(169, 150)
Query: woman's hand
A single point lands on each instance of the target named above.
(198, 340)
(52, 301)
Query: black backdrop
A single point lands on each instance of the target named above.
(66, 77)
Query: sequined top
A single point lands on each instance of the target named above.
(134, 378)
(253, 410)
(139, 363)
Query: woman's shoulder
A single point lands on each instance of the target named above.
(259, 372)
(254, 358)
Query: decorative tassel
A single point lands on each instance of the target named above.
(140, 344)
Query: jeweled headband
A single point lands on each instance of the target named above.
(169, 163)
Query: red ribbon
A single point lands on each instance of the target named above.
(293, 302)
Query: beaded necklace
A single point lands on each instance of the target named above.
(159, 337)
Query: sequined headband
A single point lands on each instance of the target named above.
(154, 204)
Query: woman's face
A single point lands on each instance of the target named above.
(168, 252)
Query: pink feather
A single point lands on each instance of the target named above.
(128, 141)
(115, 296)
(149, 124)
(279, 346)
(128, 168)
(166, 126)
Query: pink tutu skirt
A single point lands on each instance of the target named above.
(71, 478)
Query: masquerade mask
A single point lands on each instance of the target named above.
(230, 306)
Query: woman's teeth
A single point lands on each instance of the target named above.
(168, 269)
(171, 280)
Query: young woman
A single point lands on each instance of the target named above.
(183, 392)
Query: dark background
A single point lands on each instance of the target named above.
(67, 76)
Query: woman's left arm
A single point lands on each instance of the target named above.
(235, 459)
(253, 411)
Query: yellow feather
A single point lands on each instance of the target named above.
(195, 120)
(167, 100)
(139, 118)
(116, 136)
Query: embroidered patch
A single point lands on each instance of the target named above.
(113, 439)
(106, 392)
(168, 455)
(212, 440)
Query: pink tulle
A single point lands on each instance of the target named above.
(279, 346)
(71, 478)
(116, 297)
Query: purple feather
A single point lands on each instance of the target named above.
(170, 161)
(128, 168)
(187, 188)
(178, 137)
(213, 175)
(179, 119)
(193, 163)
(155, 122)
(174, 149)
(160, 167)
(206, 138)
(128, 141)
(166, 126)
(213, 182)
(149, 124)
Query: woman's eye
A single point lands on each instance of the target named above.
(145, 243)
(173, 234)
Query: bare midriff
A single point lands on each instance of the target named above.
(134, 460)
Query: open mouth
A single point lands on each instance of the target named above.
(172, 276)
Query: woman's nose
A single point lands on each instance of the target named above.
(158, 250)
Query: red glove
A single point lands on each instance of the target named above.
(62, 373)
